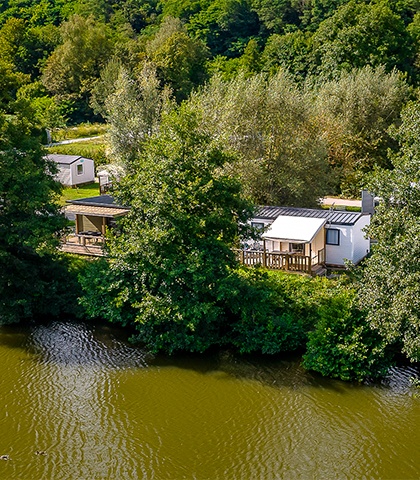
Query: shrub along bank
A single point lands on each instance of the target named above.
(266, 312)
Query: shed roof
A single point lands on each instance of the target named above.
(331, 216)
(292, 229)
(95, 211)
(99, 201)
(65, 159)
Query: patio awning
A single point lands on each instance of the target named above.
(95, 211)
(294, 229)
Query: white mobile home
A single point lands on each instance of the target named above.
(311, 237)
(73, 169)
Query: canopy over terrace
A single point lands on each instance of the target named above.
(294, 229)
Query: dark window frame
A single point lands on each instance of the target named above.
(328, 241)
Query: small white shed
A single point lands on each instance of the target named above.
(73, 169)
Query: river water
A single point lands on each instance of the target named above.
(104, 409)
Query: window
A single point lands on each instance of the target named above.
(80, 169)
(297, 248)
(333, 236)
(260, 226)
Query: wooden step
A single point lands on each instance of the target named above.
(319, 271)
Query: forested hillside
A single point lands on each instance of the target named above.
(350, 68)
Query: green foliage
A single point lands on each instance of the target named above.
(171, 265)
(72, 69)
(30, 225)
(269, 124)
(343, 344)
(179, 58)
(292, 51)
(389, 288)
(361, 34)
(35, 286)
(355, 112)
(47, 112)
(274, 311)
(226, 26)
(134, 110)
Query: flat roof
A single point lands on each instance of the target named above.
(337, 217)
(65, 159)
(99, 201)
(294, 229)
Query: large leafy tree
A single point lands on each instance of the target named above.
(74, 66)
(170, 269)
(355, 112)
(30, 225)
(360, 34)
(269, 123)
(178, 57)
(390, 285)
(133, 110)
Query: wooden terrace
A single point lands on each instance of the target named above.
(83, 244)
(285, 261)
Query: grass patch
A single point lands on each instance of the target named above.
(83, 191)
(81, 131)
(342, 208)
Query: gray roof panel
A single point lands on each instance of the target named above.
(337, 217)
(99, 201)
(65, 159)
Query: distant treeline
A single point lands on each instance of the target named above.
(65, 45)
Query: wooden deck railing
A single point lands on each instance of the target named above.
(275, 261)
(83, 245)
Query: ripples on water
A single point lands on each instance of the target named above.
(104, 409)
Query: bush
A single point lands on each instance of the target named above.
(42, 285)
(274, 310)
(343, 345)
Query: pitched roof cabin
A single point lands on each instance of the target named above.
(92, 217)
(303, 239)
(73, 169)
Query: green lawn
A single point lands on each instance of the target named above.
(84, 191)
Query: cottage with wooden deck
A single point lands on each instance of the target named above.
(308, 240)
(92, 216)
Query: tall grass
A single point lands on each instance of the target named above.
(84, 130)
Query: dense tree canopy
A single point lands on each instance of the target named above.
(390, 285)
(30, 225)
(170, 268)
(269, 123)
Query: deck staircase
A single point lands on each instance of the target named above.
(319, 271)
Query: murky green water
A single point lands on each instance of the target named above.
(104, 409)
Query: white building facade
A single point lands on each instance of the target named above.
(73, 169)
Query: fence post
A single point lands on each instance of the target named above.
(242, 257)
(287, 261)
(264, 256)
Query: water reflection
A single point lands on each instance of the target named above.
(104, 408)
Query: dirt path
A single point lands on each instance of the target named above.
(340, 202)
